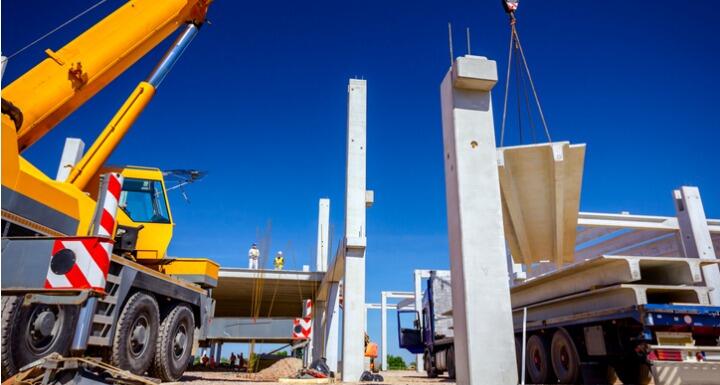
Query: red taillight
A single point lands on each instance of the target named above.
(669, 355)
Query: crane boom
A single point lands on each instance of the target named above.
(60, 84)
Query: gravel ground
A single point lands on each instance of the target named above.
(232, 378)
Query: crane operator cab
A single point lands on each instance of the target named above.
(144, 221)
(145, 226)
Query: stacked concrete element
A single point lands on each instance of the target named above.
(480, 287)
(540, 187)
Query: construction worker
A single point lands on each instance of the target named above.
(253, 257)
(279, 261)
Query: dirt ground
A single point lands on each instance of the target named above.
(233, 378)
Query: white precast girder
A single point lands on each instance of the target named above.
(696, 241)
(354, 241)
(480, 288)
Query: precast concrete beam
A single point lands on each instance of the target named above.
(605, 271)
(332, 327)
(353, 349)
(480, 288)
(696, 241)
(612, 298)
(323, 241)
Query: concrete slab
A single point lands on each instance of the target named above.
(282, 292)
(540, 187)
(606, 271)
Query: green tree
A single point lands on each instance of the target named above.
(396, 363)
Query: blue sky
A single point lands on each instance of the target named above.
(259, 100)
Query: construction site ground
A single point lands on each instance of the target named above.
(395, 377)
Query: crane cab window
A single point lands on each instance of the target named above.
(144, 201)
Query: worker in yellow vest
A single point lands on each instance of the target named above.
(279, 261)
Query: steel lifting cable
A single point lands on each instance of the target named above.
(532, 86)
(43, 37)
(516, 45)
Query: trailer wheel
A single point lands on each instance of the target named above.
(537, 361)
(565, 358)
(451, 362)
(174, 343)
(30, 333)
(430, 365)
(136, 333)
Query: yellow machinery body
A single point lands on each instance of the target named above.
(35, 204)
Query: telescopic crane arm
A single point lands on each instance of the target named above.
(41, 98)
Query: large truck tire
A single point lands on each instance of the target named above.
(537, 361)
(30, 333)
(451, 362)
(430, 368)
(565, 358)
(174, 344)
(136, 334)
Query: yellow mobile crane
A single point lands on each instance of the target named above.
(146, 319)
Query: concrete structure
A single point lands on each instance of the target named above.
(72, 153)
(695, 237)
(353, 349)
(384, 306)
(540, 186)
(348, 265)
(323, 238)
(477, 244)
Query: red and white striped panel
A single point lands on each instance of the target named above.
(110, 205)
(307, 308)
(302, 327)
(90, 267)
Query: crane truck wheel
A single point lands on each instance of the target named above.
(30, 333)
(565, 358)
(135, 334)
(174, 343)
(537, 361)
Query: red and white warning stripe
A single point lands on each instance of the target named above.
(110, 205)
(79, 263)
(83, 262)
(307, 308)
(302, 327)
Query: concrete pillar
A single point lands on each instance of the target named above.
(218, 352)
(695, 236)
(480, 290)
(332, 327)
(72, 153)
(355, 235)
(418, 307)
(323, 238)
(318, 330)
(383, 331)
(213, 347)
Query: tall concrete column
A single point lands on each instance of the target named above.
(318, 330)
(323, 238)
(218, 353)
(418, 308)
(695, 236)
(480, 289)
(383, 331)
(355, 235)
(332, 327)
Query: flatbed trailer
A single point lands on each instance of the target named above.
(673, 343)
